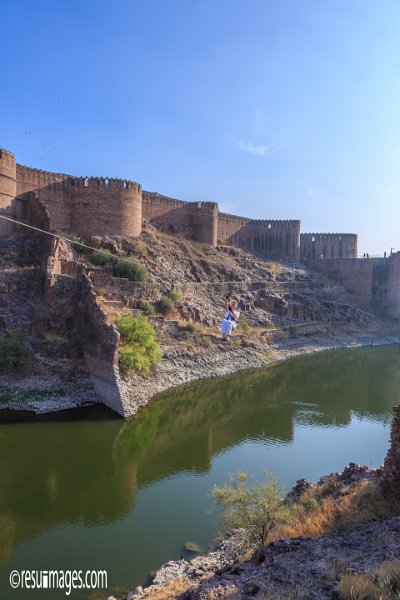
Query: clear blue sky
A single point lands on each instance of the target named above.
(275, 109)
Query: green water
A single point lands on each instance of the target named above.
(100, 493)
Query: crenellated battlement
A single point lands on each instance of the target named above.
(7, 154)
(71, 180)
(330, 236)
(328, 245)
(115, 206)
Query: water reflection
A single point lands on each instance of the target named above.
(89, 472)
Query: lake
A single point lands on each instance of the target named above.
(90, 491)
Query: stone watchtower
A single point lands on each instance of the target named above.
(8, 190)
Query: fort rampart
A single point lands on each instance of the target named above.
(376, 281)
(102, 206)
(315, 246)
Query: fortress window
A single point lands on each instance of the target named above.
(313, 239)
(269, 226)
(86, 182)
(107, 182)
(125, 186)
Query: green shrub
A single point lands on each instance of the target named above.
(191, 328)
(174, 296)
(165, 305)
(77, 244)
(206, 341)
(140, 250)
(14, 352)
(258, 509)
(131, 270)
(147, 307)
(245, 327)
(139, 349)
(98, 258)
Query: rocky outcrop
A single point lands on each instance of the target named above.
(300, 567)
(391, 468)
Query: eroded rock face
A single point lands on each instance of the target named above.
(391, 467)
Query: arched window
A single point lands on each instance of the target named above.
(106, 182)
(86, 182)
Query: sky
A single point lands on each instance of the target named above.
(281, 109)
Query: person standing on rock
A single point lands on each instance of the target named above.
(231, 318)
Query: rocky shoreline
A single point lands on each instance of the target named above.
(300, 567)
(177, 368)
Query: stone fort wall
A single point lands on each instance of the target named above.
(106, 206)
(328, 245)
(84, 205)
(269, 238)
(376, 281)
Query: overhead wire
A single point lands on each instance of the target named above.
(127, 260)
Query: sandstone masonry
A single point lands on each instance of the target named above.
(106, 206)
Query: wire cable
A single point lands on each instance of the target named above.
(123, 259)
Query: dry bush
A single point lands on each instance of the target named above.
(319, 513)
(335, 568)
(364, 503)
(388, 575)
(275, 267)
(315, 522)
(354, 586)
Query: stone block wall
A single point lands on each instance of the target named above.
(229, 228)
(314, 246)
(376, 281)
(275, 239)
(84, 205)
(8, 187)
(197, 221)
(101, 206)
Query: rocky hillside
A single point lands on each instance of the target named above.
(285, 310)
(55, 375)
(270, 294)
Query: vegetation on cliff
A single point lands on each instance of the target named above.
(14, 352)
(139, 349)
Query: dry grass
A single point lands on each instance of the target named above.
(319, 513)
(275, 268)
(355, 586)
(388, 576)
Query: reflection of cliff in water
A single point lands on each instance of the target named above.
(52, 473)
(184, 428)
(87, 472)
